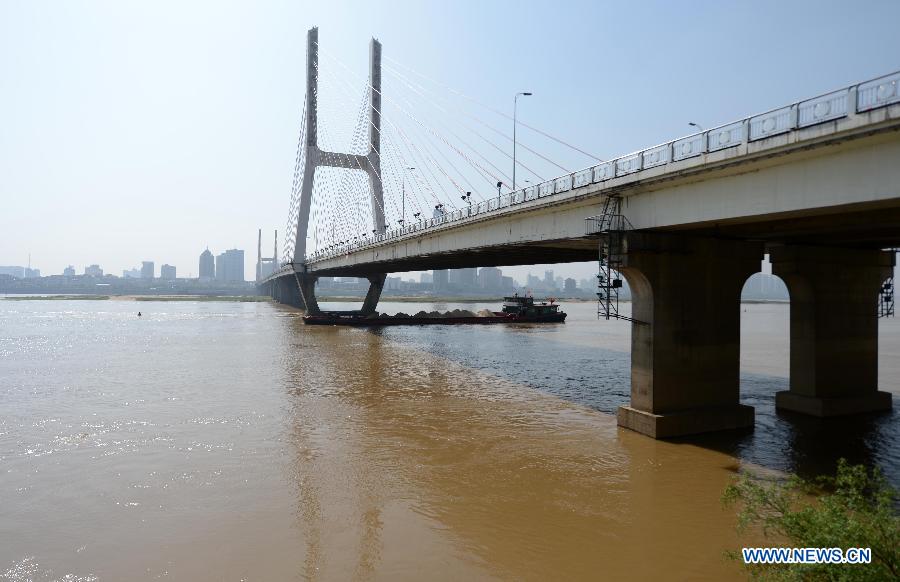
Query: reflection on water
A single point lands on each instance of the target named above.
(228, 441)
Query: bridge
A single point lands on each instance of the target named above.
(814, 184)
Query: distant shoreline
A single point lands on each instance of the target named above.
(207, 298)
(323, 299)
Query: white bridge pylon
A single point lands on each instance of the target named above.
(369, 163)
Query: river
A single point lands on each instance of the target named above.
(227, 441)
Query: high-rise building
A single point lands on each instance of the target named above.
(18, 272)
(490, 278)
(207, 266)
(230, 266)
(131, 273)
(441, 280)
(426, 278)
(167, 272)
(148, 268)
(69, 271)
(93, 271)
(570, 286)
(463, 278)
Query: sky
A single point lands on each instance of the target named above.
(133, 131)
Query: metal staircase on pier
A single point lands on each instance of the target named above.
(886, 298)
(610, 225)
(886, 294)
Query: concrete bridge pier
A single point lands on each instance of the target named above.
(291, 293)
(834, 328)
(301, 290)
(376, 286)
(283, 290)
(685, 343)
(306, 287)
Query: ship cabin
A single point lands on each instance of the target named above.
(525, 306)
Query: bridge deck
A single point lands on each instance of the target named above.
(823, 170)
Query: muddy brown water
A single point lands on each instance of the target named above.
(226, 441)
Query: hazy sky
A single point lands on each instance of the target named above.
(135, 131)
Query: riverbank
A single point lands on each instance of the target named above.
(213, 298)
(58, 298)
(205, 298)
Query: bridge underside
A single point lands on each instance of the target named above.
(526, 253)
(871, 225)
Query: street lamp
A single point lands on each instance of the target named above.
(692, 124)
(403, 192)
(515, 103)
(467, 197)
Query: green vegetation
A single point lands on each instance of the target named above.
(59, 298)
(220, 298)
(855, 508)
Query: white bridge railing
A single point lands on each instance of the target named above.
(857, 98)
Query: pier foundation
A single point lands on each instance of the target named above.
(299, 290)
(834, 328)
(685, 343)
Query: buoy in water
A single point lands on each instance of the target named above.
(139, 313)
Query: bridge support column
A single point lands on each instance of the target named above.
(376, 286)
(685, 341)
(306, 285)
(295, 296)
(834, 328)
(284, 290)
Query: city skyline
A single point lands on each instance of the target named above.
(207, 269)
(536, 278)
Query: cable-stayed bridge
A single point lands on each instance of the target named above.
(419, 183)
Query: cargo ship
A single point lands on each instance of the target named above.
(515, 309)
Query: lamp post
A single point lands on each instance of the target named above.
(515, 104)
(697, 125)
